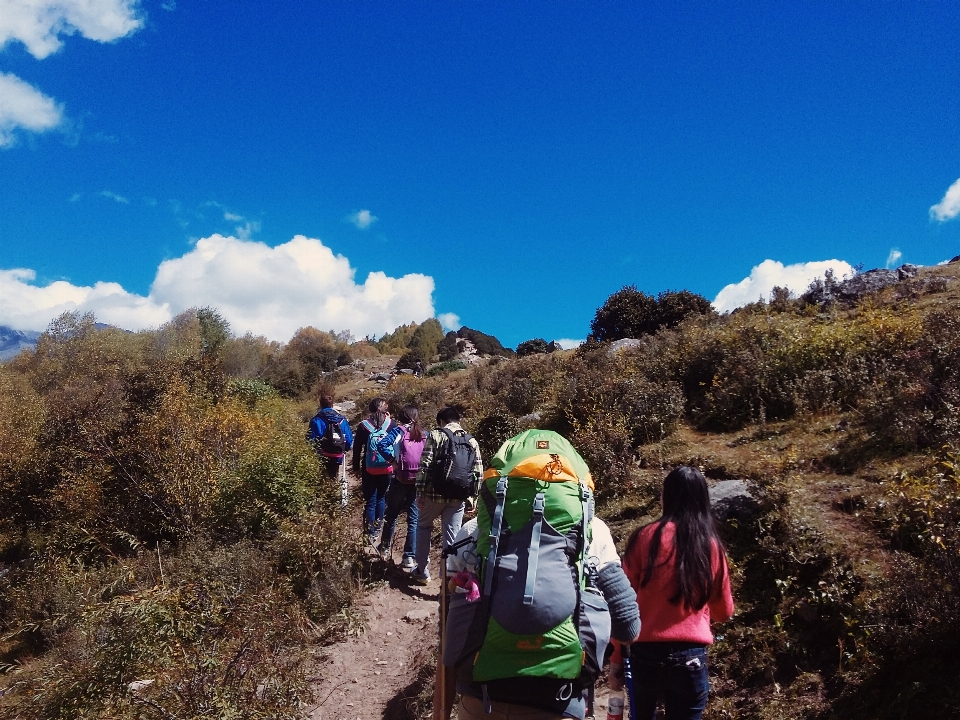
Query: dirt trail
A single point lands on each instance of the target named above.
(376, 673)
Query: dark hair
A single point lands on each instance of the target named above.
(326, 401)
(378, 411)
(686, 503)
(448, 415)
(410, 414)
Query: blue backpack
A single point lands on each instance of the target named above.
(376, 458)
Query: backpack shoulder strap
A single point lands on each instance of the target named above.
(495, 527)
(369, 426)
(533, 552)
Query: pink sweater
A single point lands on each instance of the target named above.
(661, 620)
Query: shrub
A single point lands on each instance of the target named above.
(532, 347)
(630, 313)
(445, 368)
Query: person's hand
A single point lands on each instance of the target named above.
(615, 676)
(470, 506)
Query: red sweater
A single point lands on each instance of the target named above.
(661, 620)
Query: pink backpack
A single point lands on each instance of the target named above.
(408, 455)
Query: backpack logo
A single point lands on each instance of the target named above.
(543, 444)
(530, 644)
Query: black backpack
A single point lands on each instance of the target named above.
(333, 442)
(451, 471)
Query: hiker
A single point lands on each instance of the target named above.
(528, 627)
(450, 471)
(407, 440)
(374, 467)
(329, 432)
(678, 569)
(418, 369)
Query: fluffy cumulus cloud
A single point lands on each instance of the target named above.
(23, 106)
(894, 257)
(29, 307)
(449, 321)
(770, 274)
(362, 219)
(949, 207)
(40, 26)
(568, 344)
(264, 290)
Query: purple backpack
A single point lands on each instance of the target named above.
(408, 455)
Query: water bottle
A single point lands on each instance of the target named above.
(615, 705)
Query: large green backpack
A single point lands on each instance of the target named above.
(539, 623)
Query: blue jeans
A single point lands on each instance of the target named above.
(401, 498)
(374, 488)
(673, 672)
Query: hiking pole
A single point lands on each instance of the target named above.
(440, 684)
(343, 485)
(628, 679)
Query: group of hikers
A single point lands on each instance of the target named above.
(534, 597)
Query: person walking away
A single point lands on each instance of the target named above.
(678, 568)
(373, 466)
(406, 441)
(329, 433)
(449, 476)
(539, 588)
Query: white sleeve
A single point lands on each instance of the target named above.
(602, 548)
(466, 557)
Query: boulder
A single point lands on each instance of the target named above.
(623, 344)
(732, 499)
(865, 283)
(907, 271)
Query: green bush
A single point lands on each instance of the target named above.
(445, 368)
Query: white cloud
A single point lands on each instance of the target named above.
(28, 307)
(449, 321)
(568, 344)
(259, 289)
(771, 273)
(113, 196)
(362, 219)
(23, 106)
(894, 257)
(949, 207)
(39, 24)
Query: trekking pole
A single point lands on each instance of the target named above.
(343, 485)
(440, 686)
(628, 679)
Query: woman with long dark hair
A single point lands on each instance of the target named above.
(407, 441)
(678, 567)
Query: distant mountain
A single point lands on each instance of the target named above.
(13, 341)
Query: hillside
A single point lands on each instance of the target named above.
(168, 523)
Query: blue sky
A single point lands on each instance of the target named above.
(355, 165)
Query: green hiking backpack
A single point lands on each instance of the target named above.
(539, 631)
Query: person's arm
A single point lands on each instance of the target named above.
(471, 503)
(613, 583)
(316, 429)
(721, 604)
(347, 434)
(387, 443)
(358, 446)
(429, 448)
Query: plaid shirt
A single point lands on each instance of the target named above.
(436, 440)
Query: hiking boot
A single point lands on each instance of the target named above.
(418, 579)
(408, 563)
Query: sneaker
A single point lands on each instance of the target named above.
(408, 563)
(418, 579)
